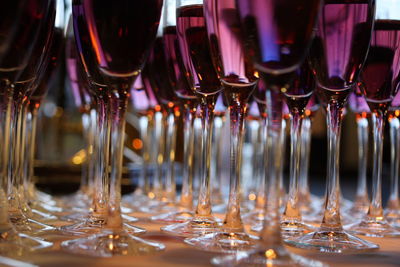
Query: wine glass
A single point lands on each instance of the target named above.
(24, 81)
(359, 106)
(267, 26)
(337, 55)
(21, 29)
(115, 57)
(297, 97)
(204, 81)
(188, 101)
(41, 202)
(238, 82)
(378, 82)
(392, 211)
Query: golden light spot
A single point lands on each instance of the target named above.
(170, 104)
(157, 108)
(308, 112)
(151, 195)
(137, 144)
(79, 157)
(397, 113)
(252, 197)
(270, 254)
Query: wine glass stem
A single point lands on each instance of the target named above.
(271, 233)
(161, 121)
(101, 157)
(207, 104)
(14, 179)
(292, 210)
(261, 198)
(144, 125)
(91, 150)
(170, 147)
(188, 157)
(117, 115)
(375, 209)
(216, 194)
(362, 130)
(305, 158)
(394, 124)
(331, 219)
(86, 132)
(233, 221)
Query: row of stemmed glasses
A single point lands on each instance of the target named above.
(24, 65)
(379, 84)
(114, 58)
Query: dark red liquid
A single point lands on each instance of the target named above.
(278, 32)
(175, 65)
(382, 68)
(39, 57)
(299, 92)
(357, 102)
(142, 99)
(341, 43)
(23, 53)
(120, 33)
(156, 73)
(196, 54)
(10, 12)
(77, 77)
(49, 69)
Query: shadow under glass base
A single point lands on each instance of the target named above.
(223, 242)
(373, 227)
(273, 257)
(335, 241)
(110, 243)
(194, 227)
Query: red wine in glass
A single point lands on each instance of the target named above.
(196, 54)
(77, 77)
(382, 65)
(174, 65)
(357, 102)
(155, 71)
(299, 93)
(279, 36)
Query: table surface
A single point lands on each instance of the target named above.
(179, 254)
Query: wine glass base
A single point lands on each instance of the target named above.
(279, 257)
(91, 226)
(224, 242)
(291, 229)
(253, 216)
(129, 219)
(111, 243)
(374, 228)
(194, 227)
(14, 244)
(332, 242)
(173, 217)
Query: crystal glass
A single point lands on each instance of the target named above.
(379, 89)
(126, 53)
(203, 81)
(297, 97)
(359, 106)
(238, 82)
(275, 58)
(338, 51)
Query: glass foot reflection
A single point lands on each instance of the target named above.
(291, 229)
(110, 243)
(271, 257)
(194, 227)
(332, 242)
(373, 227)
(173, 217)
(224, 242)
